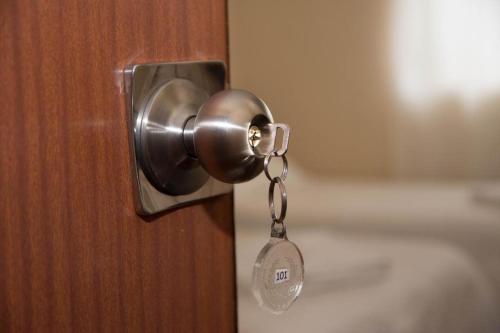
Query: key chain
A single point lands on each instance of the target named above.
(278, 273)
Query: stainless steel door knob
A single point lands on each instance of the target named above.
(222, 137)
(188, 130)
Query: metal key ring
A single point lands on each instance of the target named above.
(279, 181)
(284, 172)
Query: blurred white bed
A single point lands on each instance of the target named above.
(380, 257)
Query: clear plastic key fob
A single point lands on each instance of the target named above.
(278, 273)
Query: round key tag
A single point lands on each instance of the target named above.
(278, 275)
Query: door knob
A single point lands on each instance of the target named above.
(189, 133)
(231, 134)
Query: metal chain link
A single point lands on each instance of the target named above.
(284, 172)
(279, 181)
(278, 226)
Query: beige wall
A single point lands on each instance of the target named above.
(324, 67)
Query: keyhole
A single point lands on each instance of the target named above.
(254, 136)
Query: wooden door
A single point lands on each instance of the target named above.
(74, 256)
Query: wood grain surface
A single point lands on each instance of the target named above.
(73, 254)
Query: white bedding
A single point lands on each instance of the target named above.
(358, 283)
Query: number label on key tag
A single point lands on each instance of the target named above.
(281, 275)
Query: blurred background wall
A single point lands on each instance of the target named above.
(377, 89)
(395, 113)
